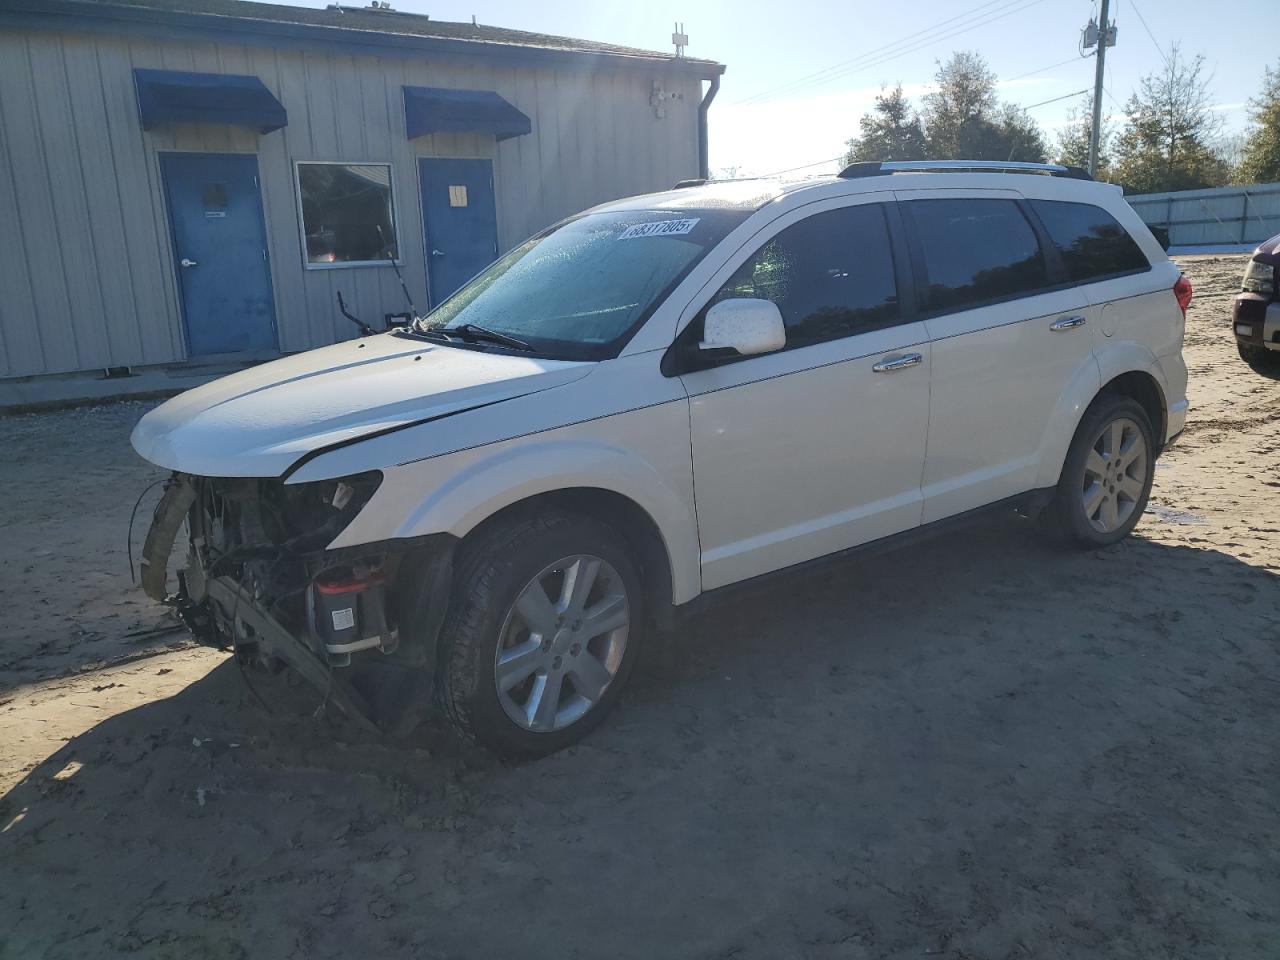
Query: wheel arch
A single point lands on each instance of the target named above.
(1142, 386)
(1128, 370)
(617, 511)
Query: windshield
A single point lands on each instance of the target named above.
(581, 289)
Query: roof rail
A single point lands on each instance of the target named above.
(880, 168)
(694, 182)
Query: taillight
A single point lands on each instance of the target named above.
(1182, 290)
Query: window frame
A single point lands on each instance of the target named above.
(1053, 246)
(684, 357)
(1055, 270)
(302, 221)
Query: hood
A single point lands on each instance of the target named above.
(1268, 251)
(260, 421)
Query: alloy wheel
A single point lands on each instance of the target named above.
(562, 643)
(1115, 475)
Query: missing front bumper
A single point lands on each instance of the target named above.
(247, 601)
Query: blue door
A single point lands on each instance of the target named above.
(460, 222)
(220, 249)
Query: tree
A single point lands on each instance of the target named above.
(1168, 139)
(963, 119)
(890, 132)
(1260, 160)
(1073, 140)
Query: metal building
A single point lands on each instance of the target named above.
(193, 181)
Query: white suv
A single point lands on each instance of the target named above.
(658, 399)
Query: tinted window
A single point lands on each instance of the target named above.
(976, 251)
(831, 275)
(1092, 243)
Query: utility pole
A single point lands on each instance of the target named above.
(1104, 35)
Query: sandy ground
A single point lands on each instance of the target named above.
(980, 747)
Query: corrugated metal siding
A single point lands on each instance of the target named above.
(85, 252)
(1244, 214)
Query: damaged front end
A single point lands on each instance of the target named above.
(359, 623)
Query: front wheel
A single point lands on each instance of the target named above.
(1106, 478)
(543, 634)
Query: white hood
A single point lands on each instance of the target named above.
(260, 421)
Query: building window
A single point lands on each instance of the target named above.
(348, 213)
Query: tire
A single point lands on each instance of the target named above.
(495, 612)
(1098, 500)
(1259, 358)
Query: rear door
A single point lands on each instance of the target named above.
(1008, 335)
(817, 447)
(460, 220)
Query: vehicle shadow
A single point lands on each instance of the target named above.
(1270, 371)
(978, 746)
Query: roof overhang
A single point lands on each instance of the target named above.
(439, 110)
(172, 96)
(94, 16)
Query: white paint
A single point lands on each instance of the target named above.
(796, 454)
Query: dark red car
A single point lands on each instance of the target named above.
(1255, 315)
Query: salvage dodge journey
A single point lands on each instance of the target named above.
(657, 400)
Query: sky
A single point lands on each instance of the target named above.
(801, 73)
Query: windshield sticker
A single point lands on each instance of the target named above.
(659, 228)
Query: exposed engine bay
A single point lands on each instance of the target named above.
(359, 623)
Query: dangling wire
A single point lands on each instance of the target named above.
(128, 543)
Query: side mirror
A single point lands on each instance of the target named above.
(746, 326)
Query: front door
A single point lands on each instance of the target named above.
(460, 221)
(819, 447)
(220, 249)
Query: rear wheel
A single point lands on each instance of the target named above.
(1106, 478)
(1260, 358)
(545, 635)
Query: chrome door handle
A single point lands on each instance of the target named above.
(898, 363)
(184, 262)
(437, 253)
(1066, 323)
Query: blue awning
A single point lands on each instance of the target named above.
(437, 110)
(170, 96)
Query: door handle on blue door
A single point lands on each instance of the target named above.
(437, 253)
(898, 363)
(1066, 323)
(184, 262)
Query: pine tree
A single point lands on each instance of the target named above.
(1073, 140)
(964, 120)
(1260, 160)
(890, 132)
(1168, 139)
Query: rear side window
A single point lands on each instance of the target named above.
(976, 251)
(1092, 242)
(831, 275)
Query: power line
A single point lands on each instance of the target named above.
(906, 45)
(803, 166)
(1143, 20)
(863, 56)
(1055, 99)
(1052, 66)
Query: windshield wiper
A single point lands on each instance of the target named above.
(469, 331)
